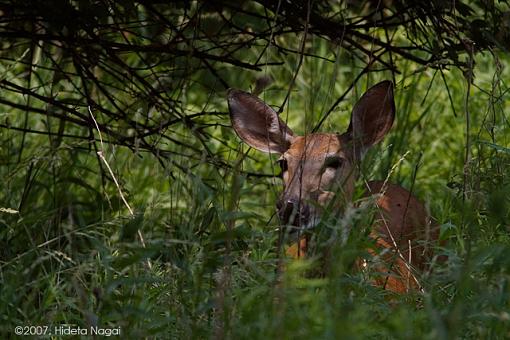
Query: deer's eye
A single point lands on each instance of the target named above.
(282, 162)
(333, 162)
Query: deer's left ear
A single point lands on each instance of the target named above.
(257, 124)
(372, 116)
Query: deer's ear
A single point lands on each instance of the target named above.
(372, 116)
(257, 124)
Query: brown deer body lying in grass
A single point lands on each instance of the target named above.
(320, 170)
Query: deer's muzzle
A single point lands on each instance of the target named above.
(293, 213)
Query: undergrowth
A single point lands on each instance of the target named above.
(71, 254)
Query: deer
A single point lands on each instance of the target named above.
(320, 170)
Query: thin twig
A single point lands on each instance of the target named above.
(101, 155)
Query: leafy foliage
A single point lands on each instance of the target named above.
(143, 83)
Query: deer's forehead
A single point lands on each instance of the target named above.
(315, 146)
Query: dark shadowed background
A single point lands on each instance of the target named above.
(128, 201)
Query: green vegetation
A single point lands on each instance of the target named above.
(71, 251)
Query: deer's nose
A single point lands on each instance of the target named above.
(286, 208)
(292, 212)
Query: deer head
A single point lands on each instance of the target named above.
(318, 169)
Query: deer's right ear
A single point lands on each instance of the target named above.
(372, 116)
(257, 124)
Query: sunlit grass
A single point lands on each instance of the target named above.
(71, 254)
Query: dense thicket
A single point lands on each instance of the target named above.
(133, 61)
(127, 200)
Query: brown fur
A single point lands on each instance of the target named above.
(402, 226)
(320, 170)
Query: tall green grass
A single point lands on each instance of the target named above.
(70, 253)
